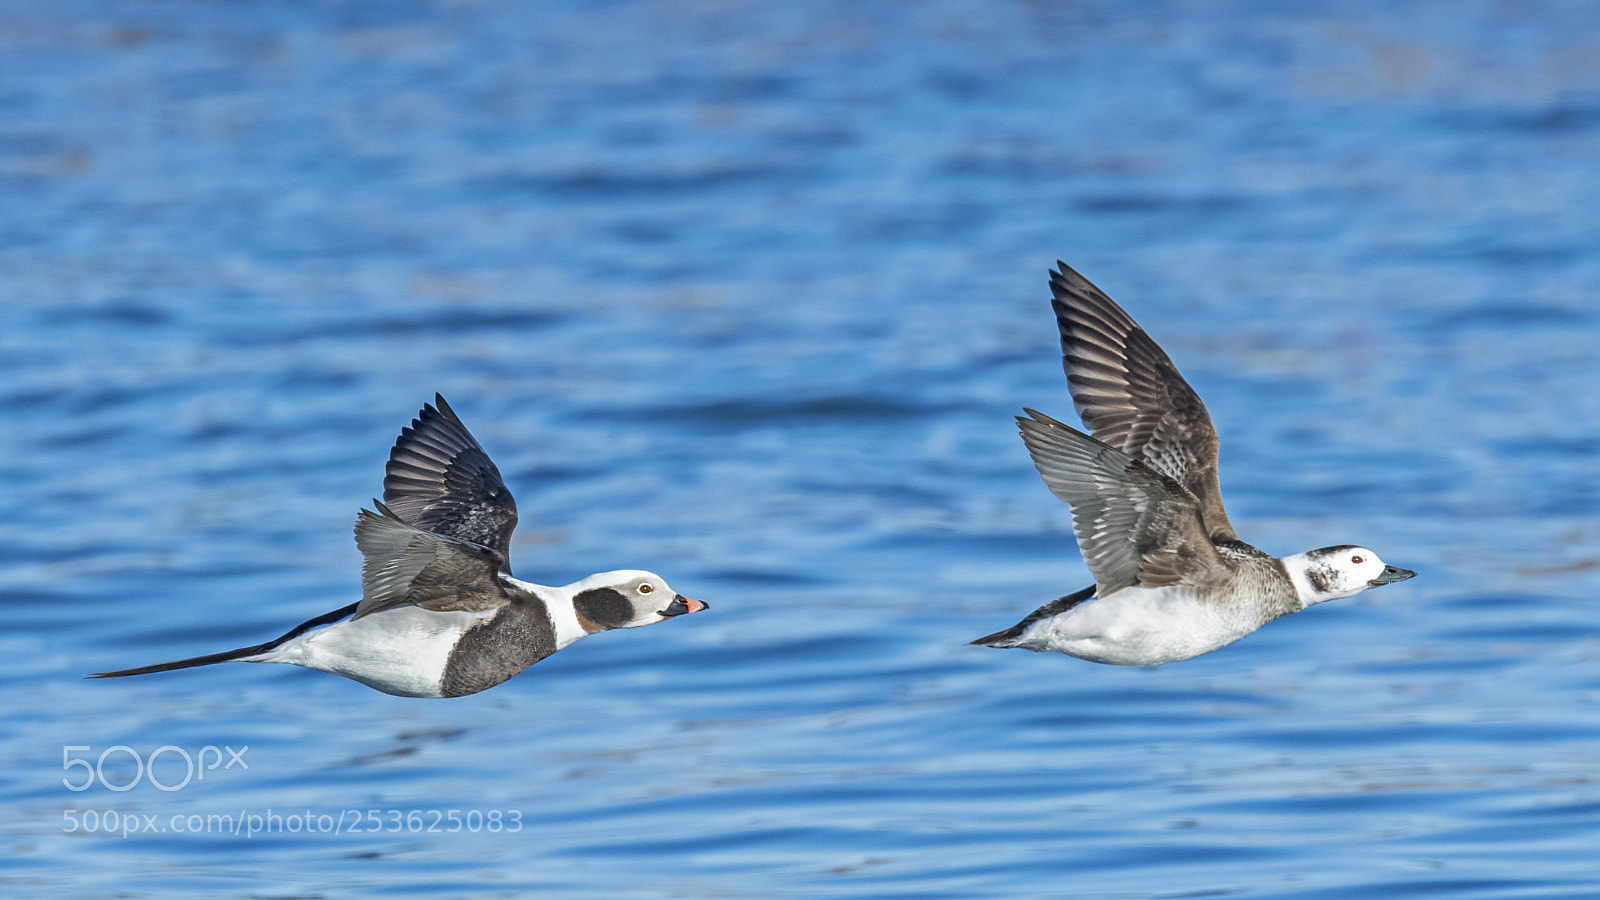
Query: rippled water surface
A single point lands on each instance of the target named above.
(747, 294)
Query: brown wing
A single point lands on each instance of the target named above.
(439, 480)
(1134, 524)
(1131, 396)
(401, 565)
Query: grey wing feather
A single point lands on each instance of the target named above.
(1131, 396)
(1134, 524)
(405, 565)
(439, 480)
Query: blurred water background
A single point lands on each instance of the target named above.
(747, 294)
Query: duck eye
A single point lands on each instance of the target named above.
(646, 588)
(1357, 560)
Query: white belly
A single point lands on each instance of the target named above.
(399, 651)
(1139, 626)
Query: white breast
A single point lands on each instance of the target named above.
(1139, 626)
(399, 651)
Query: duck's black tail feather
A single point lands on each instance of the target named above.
(229, 655)
(1053, 608)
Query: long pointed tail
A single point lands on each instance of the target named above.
(1009, 637)
(229, 655)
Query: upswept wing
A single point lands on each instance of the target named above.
(404, 565)
(439, 480)
(1131, 396)
(1134, 524)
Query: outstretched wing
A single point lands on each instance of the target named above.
(439, 480)
(405, 565)
(1134, 524)
(1131, 396)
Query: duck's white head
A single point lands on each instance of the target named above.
(1343, 571)
(627, 599)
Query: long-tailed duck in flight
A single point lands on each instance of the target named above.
(440, 614)
(1172, 580)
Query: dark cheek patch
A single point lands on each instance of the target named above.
(604, 607)
(1321, 578)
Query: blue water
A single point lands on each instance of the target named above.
(747, 294)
